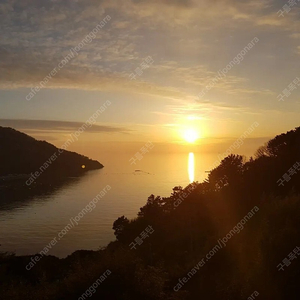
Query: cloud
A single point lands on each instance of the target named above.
(180, 3)
(57, 126)
(37, 34)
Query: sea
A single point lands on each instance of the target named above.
(44, 220)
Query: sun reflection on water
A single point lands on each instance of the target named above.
(191, 167)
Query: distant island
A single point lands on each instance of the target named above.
(22, 156)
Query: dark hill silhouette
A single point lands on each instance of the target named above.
(22, 154)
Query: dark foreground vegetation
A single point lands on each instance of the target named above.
(187, 226)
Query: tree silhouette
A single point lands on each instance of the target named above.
(228, 172)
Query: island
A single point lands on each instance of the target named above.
(24, 158)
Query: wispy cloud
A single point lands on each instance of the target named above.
(57, 126)
(187, 49)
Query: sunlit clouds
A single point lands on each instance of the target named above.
(188, 41)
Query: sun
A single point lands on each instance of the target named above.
(190, 135)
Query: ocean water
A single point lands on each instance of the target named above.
(28, 227)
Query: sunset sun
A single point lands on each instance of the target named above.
(190, 135)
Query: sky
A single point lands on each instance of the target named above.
(174, 49)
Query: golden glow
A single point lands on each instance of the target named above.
(83, 166)
(190, 135)
(191, 167)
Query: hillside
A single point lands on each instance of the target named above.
(22, 154)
